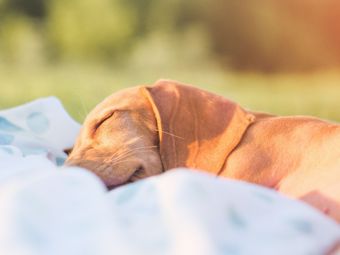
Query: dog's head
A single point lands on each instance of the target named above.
(144, 131)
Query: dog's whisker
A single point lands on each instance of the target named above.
(114, 160)
(117, 156)
(85, 108)
(124, 153)
(119, 162)
(145, 147)
(168, 133)
(134, 140)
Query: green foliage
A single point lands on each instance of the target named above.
(265, 35)
(89, 29)
(189, 53)
(31, 8)
(83, 50)
(21, 41)
(80, 88)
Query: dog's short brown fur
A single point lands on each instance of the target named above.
(144, 131)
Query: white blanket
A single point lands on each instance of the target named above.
(50, 210)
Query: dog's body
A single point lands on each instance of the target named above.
(144, 131)
(298, 156)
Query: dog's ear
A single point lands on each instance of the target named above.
(197, 129)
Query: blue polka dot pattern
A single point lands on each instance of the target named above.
(38, 122)
(235, 219)
(302, 226)
(5, 125)
(230, 249)
(263, 196)
(6, 139)
(7, 150)
(127, 194)
(60, 161)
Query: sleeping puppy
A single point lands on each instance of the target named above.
(144, 131)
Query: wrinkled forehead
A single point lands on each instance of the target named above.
(126, 99)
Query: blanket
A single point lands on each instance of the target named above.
(49, 209)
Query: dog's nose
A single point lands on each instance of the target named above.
(111, 187)
(68, 151)
(70, 161)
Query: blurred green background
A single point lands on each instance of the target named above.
(279, 56)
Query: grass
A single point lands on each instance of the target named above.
(80, 88)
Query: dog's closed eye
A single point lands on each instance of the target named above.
(101, 120)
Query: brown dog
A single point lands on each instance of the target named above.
(144, 131)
